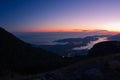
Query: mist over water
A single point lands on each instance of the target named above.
(48, 38)
(45, 40)
(91, 44)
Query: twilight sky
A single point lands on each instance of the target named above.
(59, 15)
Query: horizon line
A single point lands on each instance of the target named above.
(67, 31)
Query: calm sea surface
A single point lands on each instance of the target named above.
(49, 37)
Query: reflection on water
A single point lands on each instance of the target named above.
(91, 43)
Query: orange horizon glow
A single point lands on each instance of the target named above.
(70, 30)
(111, 27)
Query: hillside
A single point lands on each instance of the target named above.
(20, 57)
(97, 68)
(100, 67)
(22, 61)
(105, 48)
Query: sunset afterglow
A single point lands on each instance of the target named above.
(115, 26)
(60, 15)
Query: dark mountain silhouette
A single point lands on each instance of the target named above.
(18, 56)
(84, 40)
(105, 48)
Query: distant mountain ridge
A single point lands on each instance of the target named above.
(115, 37)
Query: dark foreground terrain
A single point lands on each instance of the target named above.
(22, 61)
(99, 68)
(19, 57)
(102, 66)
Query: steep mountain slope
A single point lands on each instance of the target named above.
(18, 56)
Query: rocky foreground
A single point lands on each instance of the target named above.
(98, 68)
